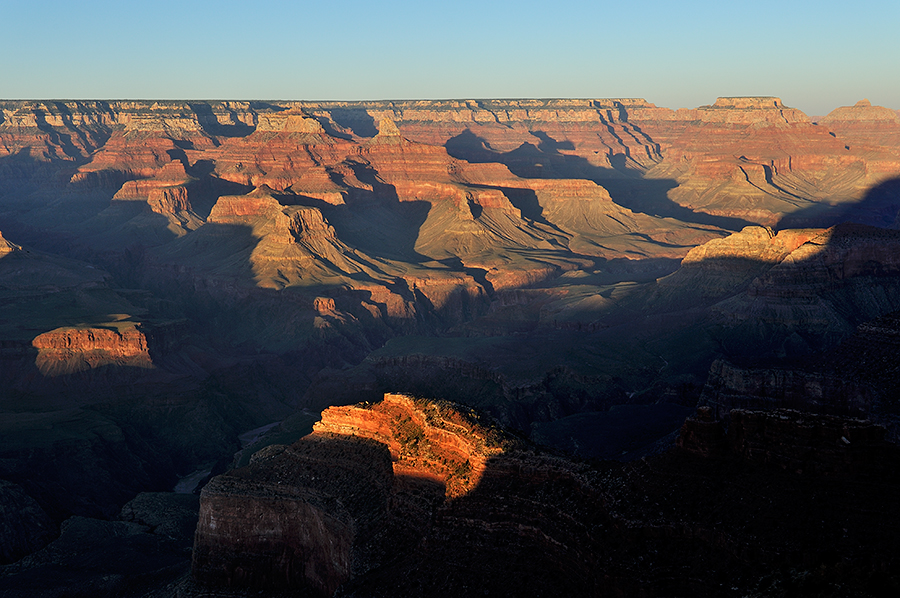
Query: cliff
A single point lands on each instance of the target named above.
(298, 519)
(402, 483)
(543, 260)
(787, 294)
(730, 387)
(363, 507)
(864, 124)
(6, 247)
(856, 378)
(68, 350)
(424, 438)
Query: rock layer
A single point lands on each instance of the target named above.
(370, 486)
(312, 516)
(68, 350)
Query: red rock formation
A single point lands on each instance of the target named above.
(875, 127)
(838, 254)
(295, 245)
(796, 280)
(752, 243)
(303, 516)
(6, 247)
(750, 110)
(284, 146)
(748, 157)
(756, 159)
(424, 439)
(752, 157)
(67, 350)
(48, 131)
(724, 266)
(597, 128)
(124, 158)
(364, 488)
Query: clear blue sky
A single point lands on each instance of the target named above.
(814, 55)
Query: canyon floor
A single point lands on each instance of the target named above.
(191, 291)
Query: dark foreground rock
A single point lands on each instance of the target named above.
(24, 526)
(780, 504)
(94, 557)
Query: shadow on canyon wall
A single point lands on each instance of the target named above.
(91, 140)
(374, 222)
(360, 122)
(879, 206)
(44, 210)
(390, 228)
(585, 548)
(626, 187)
(211, 125)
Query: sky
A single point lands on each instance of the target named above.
(815, 56)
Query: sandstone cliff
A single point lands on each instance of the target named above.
(397, 483)
(362, 507)
(864, 124)
(68, 350)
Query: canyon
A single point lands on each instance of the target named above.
(503, 316)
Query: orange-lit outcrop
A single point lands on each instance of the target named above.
(68, 350)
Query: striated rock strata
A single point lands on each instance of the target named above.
(366, 506)
(392, 489)
(68, 350)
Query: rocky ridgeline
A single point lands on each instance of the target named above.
(421, 498)
(68, 350)
(425, 438)
(864, 124)
(393, 486)
(755, 157)
(787, 294)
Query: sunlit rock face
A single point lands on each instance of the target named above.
(68, 350)
(864, 124)
(313, 514)
(402, 482)
(6, 247)
(373, 503)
